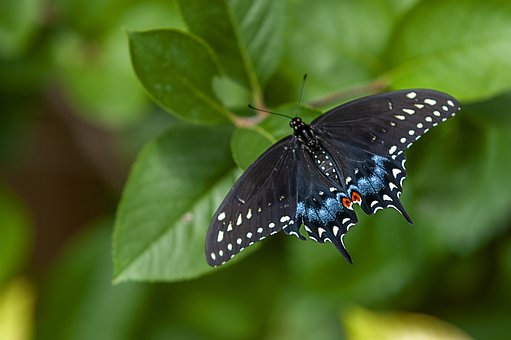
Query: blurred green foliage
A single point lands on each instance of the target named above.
(203, 61)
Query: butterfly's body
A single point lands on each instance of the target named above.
(350, 155)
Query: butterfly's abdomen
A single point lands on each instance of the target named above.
(324, 162)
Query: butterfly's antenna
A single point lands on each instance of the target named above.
(301, 94)
(271, 112)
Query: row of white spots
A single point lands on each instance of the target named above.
(220, 236)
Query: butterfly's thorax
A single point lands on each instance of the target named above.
(308, 139)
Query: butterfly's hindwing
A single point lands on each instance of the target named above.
(320, 206)
(261, 203)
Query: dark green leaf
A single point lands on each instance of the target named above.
(246, 35)
(177, 70)
(462, 192)
(78, 300)
(458, 47)
(338, 43)
(176, 185)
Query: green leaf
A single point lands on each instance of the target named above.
(177, 70)
(15, 235)
(175, 186)
(248, 143)
(101, 85)
(101, 81)
(458, 47)
(467, 203)
(18, 21)
(246, 35)
(78, 290)
(338, 43)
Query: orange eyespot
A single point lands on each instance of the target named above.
(346, 202)
(355, 197)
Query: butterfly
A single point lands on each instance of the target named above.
(352, 154)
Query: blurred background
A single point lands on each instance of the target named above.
(73, 117)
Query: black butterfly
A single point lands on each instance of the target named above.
(352, 154)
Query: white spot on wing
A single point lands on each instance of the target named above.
(249, 214)
(335, 229)
(392, 149)
(221, 216)
(321, 231)
(284, 219)
(220, 236)
(411, 95)
(400, 117)
(271, 225)
(430, 101)
(409, 111)
(238, 222)
(396, 172)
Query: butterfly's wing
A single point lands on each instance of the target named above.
(367, 138)
(320, 206)
(386, 124)
(262, 202)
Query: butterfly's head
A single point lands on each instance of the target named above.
(297, 124)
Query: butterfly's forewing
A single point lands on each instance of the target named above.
(261, 203)
(367, 138)
(387, 124)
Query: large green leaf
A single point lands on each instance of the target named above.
(176, 184)
(246, 35)
(461, 184)
(177, 70)
(338, 43)
(461, 47)
(77, 299)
